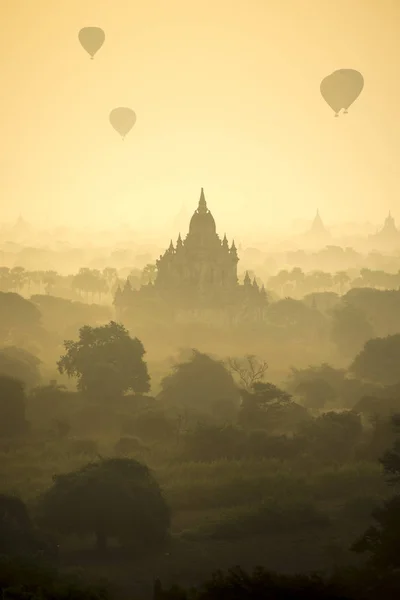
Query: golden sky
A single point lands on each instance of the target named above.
(227, 97)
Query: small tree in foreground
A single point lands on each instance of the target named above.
(106, 361)
(113, 498)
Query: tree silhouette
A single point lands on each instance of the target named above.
(350, 329)
(201, 383)
(12, 407)
(116, 498)
(315, 393)
(106, 361)
(263, 406)
(16, 528)
(149, 274)
(379, 360)
(248, 369)
(18, 317)
(20, 364)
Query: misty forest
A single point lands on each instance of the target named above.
(189, 414)
(193, 420)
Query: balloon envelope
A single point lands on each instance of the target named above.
(342, 88)
(91, 39)
(122, 119)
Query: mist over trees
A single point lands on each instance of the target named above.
(189, 445)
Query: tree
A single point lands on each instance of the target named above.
(16, 529)
(5, 279)
(325, 302)
(295, 319)
(382, 540)
(249, 369)
(20, 364)
(391, 458)
(18, 278)
(110, 276)
(320, 281)
(106, 361)
(264, 407)
(115, 498)
(341, 279)
(201, 383)
(62, 315)
(47, 405)
(379, 306)
(12, 407)
(333, 436)
(18, 317)
(290, 313)
(315, 393)
(149, 274)
(350, 329)
(378, 438)
(334, 377)
(379, 360)
(90, 281)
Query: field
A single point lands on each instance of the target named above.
(288, 516)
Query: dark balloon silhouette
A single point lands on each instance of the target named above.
(341, 89)
(91, 39)
(122, 119)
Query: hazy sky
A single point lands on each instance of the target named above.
(227, 97)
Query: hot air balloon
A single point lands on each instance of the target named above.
(122, 119)
(341, 89)
(91, 39)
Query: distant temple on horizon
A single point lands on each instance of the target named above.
(197, 280)
(317, 234)
(317, 227)
(388, 238)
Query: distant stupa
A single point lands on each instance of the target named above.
(388, 236)
(318, 233)
(317, 227)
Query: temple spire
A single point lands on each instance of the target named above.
(202, 208)
(317, 226)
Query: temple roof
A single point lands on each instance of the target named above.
(389, 228)
(202, 221)
(317, 226)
